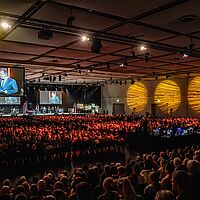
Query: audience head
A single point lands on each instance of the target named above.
(165, 195)
(84, 191)
(181, 182)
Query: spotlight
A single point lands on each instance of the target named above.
(146, 58)
(60, 78)
(133, 54)
(89, 70)
(185, 55)
(124, 63)
(143, 48)
(108, 66)
(54, 78)
(78, 66)
(168, 76)
(5, 25)
(45, 33)
(70, 20)
(96, 45)
(84, 38)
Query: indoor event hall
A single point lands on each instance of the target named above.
(99, 100)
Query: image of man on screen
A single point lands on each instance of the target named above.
(8, 85)
(54, 99)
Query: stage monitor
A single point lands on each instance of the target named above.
(50, 97)
(10, 101)
(11, 81)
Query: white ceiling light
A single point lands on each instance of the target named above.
(143, 48)
(84, 38)
(5, 25)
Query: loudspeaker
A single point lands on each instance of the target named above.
(96, 45)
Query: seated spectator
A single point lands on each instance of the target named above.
(84, 191)
(147, 170)
(109, 193)
(181, 185)
(166, 182)
(128, 190)
(165, 195)
(153, 187)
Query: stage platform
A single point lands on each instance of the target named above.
(41, 114)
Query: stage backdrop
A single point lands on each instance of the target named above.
(70, 95)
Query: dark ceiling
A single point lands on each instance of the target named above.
(170, 30)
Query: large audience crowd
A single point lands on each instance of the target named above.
(168, 175)
(41, 139)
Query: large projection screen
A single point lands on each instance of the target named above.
(11, 81)
(51, 97)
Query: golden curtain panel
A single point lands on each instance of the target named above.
(194, 94)
(137, 96)
(167, 96)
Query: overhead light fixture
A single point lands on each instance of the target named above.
(133, 54)
(89, 70)
(132, 81)
(108, 66)
(60, 78)
(45, 33)
(78, 66)
(185, 55)
(146, 58)
(124, 63)
(168, 76)
(54, 78)
(143, 48)
(84, 38)
(5, 25)
(70, 20)
(96, 45)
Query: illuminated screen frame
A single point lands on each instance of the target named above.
(47, 101)
(22, 87)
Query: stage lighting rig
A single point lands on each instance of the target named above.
(45, 33)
